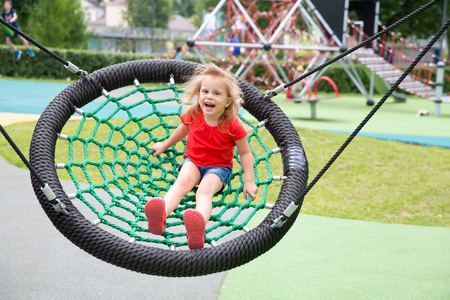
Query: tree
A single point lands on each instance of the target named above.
(58, 24)
(424, 25)
(186, 8)
(201, 8)
(429, 21)
(139, 13)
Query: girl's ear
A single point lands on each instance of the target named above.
(229, 102)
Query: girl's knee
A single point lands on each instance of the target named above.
(204, 193)
(210, 188)
(187, 181)
(212, 181)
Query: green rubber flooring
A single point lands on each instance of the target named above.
(327, 258)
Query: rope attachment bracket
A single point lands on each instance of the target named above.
(74, 69)
(275, 91)
(57, 204)
(292, 207)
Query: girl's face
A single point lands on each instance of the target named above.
(213, 97)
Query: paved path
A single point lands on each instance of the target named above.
(37, 262)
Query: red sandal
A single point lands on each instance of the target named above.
(195, 228)
(155, 211)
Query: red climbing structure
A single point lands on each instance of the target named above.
(269, 43)
(266, 43)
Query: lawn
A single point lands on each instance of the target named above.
(374, 180)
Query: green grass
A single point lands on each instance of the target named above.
(374, 180)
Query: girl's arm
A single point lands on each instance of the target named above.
(246, 155)
(174, 138)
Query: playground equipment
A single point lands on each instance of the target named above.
(152, 260)
(292, 94)
(393, 54)
(280, 36)
(9, 32)
(272, 37)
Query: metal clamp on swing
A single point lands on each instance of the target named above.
(57, 204)
(274, 92)
(283, 218)
(74, 69)
(172, 79)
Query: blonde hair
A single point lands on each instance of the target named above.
(232, 87)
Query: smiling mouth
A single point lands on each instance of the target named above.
(209, 105)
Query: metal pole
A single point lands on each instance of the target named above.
(345, 24)
(439, 88)
(444, 18)
(374, 47)
(375, 25)
(153, 25)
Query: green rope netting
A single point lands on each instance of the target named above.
(114, 173)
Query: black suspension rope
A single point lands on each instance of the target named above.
(281, 88)
(280, 220)
(66, 63)
(21, 156)
(57, 204)
(377, 106)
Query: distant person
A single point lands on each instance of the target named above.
(210, 19)
(10, 15)
(180, 52)
(351, 41)
(236, 54)
(241, 26)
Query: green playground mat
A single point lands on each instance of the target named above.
(327, 258)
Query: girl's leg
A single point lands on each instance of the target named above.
(188, 177)
(157, 209)
(209, 185)
(195, 219)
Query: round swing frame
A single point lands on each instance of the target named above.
(147, 259)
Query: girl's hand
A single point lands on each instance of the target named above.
(251, 189)
(158, 148)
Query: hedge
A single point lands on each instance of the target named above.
(43, 66)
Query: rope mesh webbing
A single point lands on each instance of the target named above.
(114, 172)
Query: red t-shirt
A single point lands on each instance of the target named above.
(206, 146)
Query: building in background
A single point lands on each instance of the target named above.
(111, 32)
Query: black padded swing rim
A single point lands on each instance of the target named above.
(143, 258)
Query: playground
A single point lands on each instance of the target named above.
(97, 132)
(326, 257)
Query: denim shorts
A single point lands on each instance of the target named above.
(224, 173)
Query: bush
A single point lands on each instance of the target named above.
(43, 66)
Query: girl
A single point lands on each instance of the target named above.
(212, 129)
